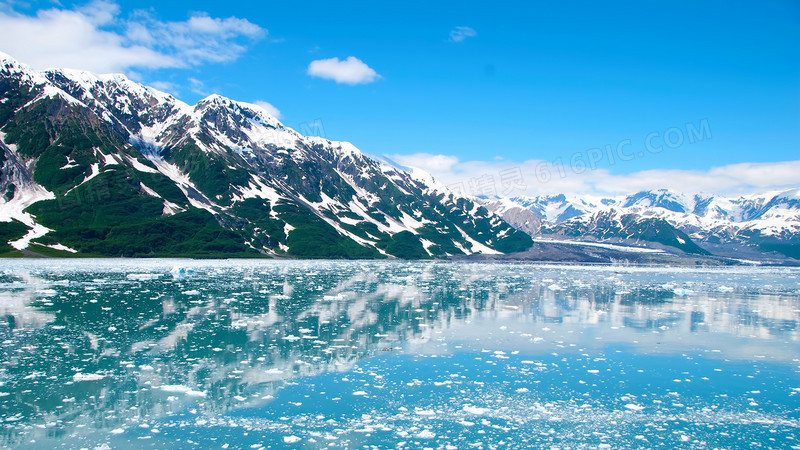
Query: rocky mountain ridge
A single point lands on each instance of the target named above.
(101, 165)
(694, 223)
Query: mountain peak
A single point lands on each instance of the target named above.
(86, 76)
(793, 194)
(11, 67)
(215, 99)
(257, 108)
(6, 58)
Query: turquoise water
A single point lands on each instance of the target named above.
(251, 354)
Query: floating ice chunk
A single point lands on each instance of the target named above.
(681, 292)
(291, 439)
(475, 410)
(181, 272)
(360, 393)
(181, 389)
(143, 276)
(291, 338)
(634, 407)
(275, 371)
(87, 377)
(522, 390)
(117, 431)
(593, 371)
(191, 292)
(426, 434)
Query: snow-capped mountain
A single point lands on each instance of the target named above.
(724, 219)
(557, 208)
(694, 223)
(99, 164)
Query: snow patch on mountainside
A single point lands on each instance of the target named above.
(36, 232)
(24, 197)
(174, 173)
(27, 192)
(95, 167)
(257, 189)
(61, 247)
(477, 247)
(138, 165)
(149, 191)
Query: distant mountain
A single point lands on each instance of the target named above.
(747, 226)
(101, 165)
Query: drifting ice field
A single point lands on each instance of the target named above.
(251, 354)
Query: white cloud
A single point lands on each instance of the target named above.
(197, 86)
(165, 86)
(198, 40)
(349, 71)
(95, 38)
(435, 164)
(271, 109)
(458, 34)
(535, 177)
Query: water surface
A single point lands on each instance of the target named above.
(250, 354)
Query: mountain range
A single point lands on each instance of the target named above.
(754, 226)
(99, 165)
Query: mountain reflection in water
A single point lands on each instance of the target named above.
(104, 345)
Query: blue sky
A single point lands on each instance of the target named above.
(521, 81)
